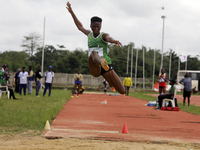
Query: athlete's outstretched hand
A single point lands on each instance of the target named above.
(118, 43)
(69, 7)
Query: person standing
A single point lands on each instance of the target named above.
(49, 75)
(38, 76)
(187, 82)
(127, 83)
(1, 75)
(78, 78)
(162, 79)
(16, 81)
(30, 79)
(105, 85)
(1, 68)
(23, 78)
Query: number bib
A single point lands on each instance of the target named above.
(97, 49)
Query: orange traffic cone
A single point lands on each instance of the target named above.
(124, 130)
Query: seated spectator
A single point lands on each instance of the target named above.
(5, 82)
(169, 95)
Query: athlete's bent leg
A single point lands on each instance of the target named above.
(114, 81)
(94, 63)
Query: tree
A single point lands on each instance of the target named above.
(31, 42)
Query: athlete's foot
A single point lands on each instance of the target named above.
(112, 88)
(104, 64)
(72, 96)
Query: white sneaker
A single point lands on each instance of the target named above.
(37, 96)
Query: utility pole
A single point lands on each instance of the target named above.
(154, 60)
(127, 61)
(163, 17)
(170, 58)
(43, 52)
(136, 67)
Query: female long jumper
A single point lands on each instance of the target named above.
(99, 63)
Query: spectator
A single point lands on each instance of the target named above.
(5, 82)
(1, 75)
(187, 82)
(30, 79)
(23, 78)
(1, 69)
(17, 85)
(78, 77)
(105, 85)
(127, 83)
(38, 76)
(5, 71)
(169, 95)
(49, 75)
(162, 79)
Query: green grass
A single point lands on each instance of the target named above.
(143, 95)
(30, 112)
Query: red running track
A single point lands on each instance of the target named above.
(86, 117)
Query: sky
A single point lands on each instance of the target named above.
(137, 21)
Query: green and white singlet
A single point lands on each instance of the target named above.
(99, 45)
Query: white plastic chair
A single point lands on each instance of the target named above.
(170, 100)
(8, 92)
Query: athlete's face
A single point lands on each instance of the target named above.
(96, 27)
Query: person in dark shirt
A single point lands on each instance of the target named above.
(38, 76)
(187, 82)
(16, 81)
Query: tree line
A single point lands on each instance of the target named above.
(67, 61)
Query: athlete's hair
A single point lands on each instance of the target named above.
(96, 19)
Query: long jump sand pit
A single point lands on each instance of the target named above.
(86, 117)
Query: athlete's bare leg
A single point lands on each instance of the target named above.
(94, 63)
(111, 77)
(114, 81)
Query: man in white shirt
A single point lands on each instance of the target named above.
(23, 78)
(49, 75)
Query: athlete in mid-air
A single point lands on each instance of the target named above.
(99, 62)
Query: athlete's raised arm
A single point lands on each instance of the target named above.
(76, 21)
(106, 37)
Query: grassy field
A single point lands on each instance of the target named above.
(30, 113)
